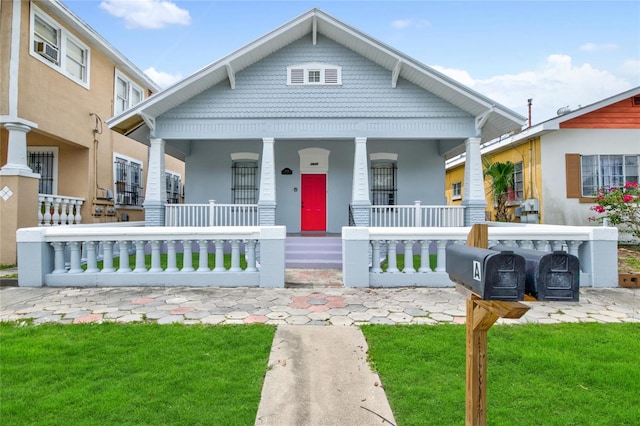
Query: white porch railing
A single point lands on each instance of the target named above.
(54, 210)
(417, 215)
(211, 214)
(42, 254)
(364, 248)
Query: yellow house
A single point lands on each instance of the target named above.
(562, 162)
(59, 82)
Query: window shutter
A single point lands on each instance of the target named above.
(574, 187)
(297, 76)
(331, 76)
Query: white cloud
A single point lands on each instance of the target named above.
(594, 47)
(401, 24)
(459, 75)
(558, 82)
(147, 14)
(162, 79)
(631, 67)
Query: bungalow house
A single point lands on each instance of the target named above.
(315, 123)
(59, 163)
(561, 163)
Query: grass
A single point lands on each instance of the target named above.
(566, 374)
(416, 262)
(179, 260)
(629, 258)
(2, 267)
(135, 374)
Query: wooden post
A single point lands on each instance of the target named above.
(481, 315)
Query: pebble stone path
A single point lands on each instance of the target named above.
(311, 297)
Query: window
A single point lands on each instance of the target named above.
(128, 181)
(44, 160)
(244, 187)
(174, 187)
(314, 74)
(607, 171)
(517, 191)
(456, 191)
(383, 183)
(127, 93)
(58, 48)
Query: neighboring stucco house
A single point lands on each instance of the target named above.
(315, 122)
(60, 164)
(561, 163)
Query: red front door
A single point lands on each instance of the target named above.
(314, 203)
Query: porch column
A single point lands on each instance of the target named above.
(360, 202)
(473, 199)
(267, 200)
(156, 192)
(18, 192)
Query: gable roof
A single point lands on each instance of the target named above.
(499, 120)
(551, 125)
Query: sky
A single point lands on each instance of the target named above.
(557, 53)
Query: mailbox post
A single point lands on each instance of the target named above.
(481, 315)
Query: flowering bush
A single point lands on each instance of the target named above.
(619, 206)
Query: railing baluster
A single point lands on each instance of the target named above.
(58, 257)
(74, 249)
(408, 257)
(155, 256)
(48, 206)
(235, 256)
(424, 256)
(172, 265)
(219, 267)
(107, 257)
(187, 256)
(392, 260)
(203, 261)
(250, 255)
(123, 247)
(573, 247)
(375, 257)
(140, 260)
(92, 260)
(441, 255)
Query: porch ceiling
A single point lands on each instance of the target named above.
(501, 121)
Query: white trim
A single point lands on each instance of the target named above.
(64, 36)
(131, 88)
(54, 172)
(314, 161)
(14, 58)
(235, 156)
(385, 156)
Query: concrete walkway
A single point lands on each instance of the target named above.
(318, 376)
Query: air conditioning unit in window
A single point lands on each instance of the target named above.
(47, 50)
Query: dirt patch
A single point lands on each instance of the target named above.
(629, 259)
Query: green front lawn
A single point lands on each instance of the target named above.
(566, 374)
(135, 374)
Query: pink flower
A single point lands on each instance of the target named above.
(599, 209)
(627, 198)
(629, 185)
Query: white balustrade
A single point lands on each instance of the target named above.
(211, 214)
(54, 210)
(387, 244)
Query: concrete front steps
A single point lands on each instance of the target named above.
(313, 252)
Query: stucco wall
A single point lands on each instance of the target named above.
(557, 208)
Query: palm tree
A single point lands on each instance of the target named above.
(501, 180)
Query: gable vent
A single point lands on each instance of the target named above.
(331, 76)
(297, 76)
(636, 101)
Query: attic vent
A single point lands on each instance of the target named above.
(314, 74)
(636, 101)
(297, 76)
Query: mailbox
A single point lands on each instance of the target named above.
(549, 275)
(491, 274)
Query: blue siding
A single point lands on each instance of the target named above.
(261, 91)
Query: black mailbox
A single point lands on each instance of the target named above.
(492, 275)
(549, 275)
